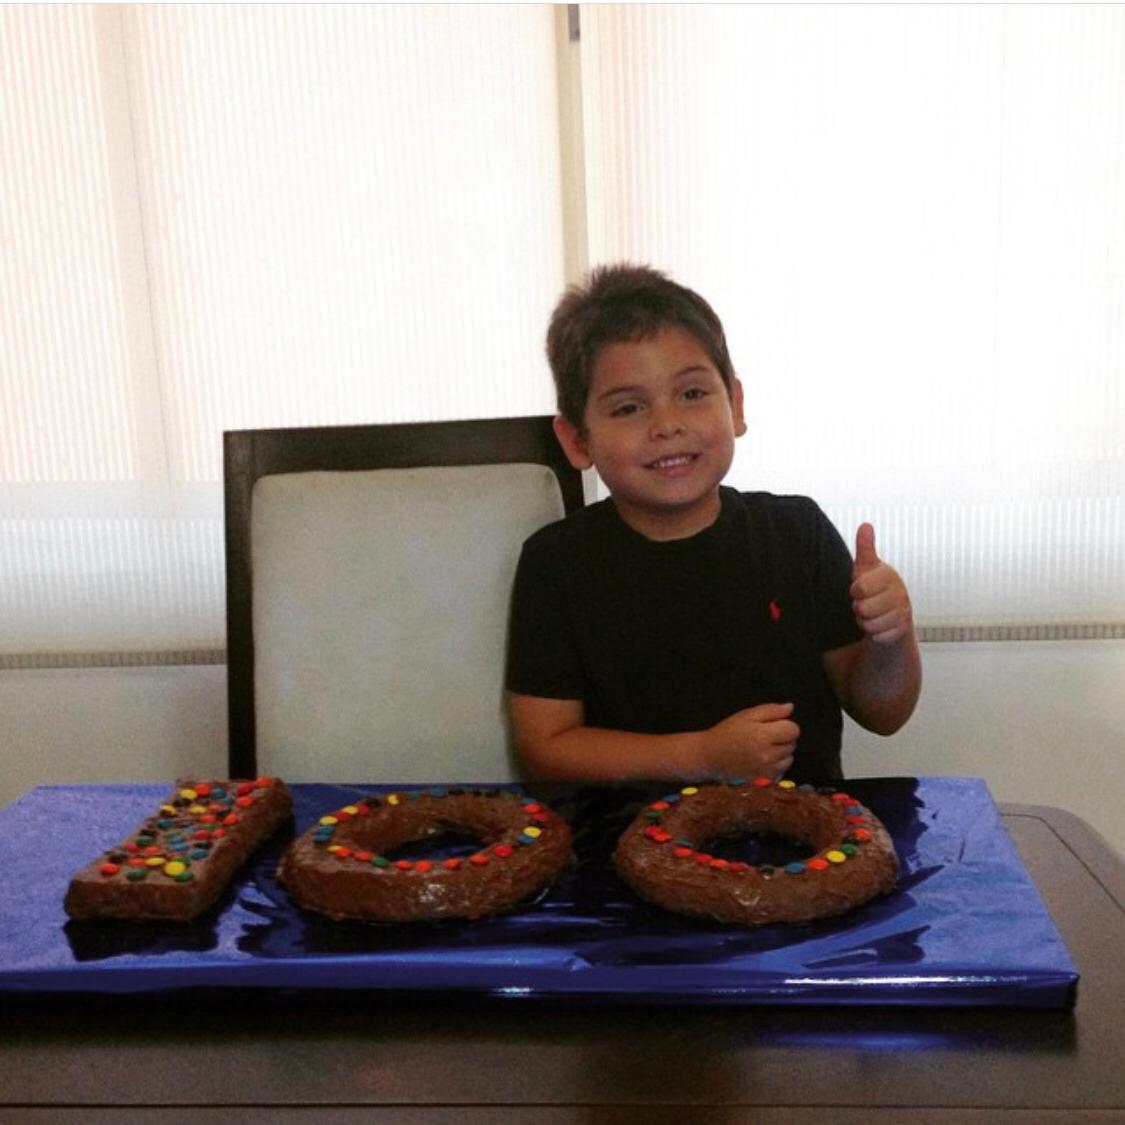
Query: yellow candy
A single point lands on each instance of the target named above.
(328, 820)
(334, 847)
(351, 809)
(531, 830)
(188, 794)
(197, 810)
(689, 791)
(155, 860)
(787, 785)
(392, 799)
(175, 867)
(169, 809)
(835, 857)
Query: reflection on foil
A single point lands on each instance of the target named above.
(912, 981)
(902, 948)
(93, 940)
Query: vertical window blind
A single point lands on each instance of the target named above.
(910, 217)
(912, 222)
(234, 216)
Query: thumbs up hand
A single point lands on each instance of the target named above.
(880, 600)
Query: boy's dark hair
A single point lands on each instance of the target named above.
(621, 304)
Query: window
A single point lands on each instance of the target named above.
(912, 222)
(911, 219)
(222, 217)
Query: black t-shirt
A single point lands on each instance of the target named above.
(663, 637)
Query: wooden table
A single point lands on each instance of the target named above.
(254, 1057)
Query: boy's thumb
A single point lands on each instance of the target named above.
(865, 556)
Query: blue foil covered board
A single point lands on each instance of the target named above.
(964, 927)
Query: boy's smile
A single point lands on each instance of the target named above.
(659, 428)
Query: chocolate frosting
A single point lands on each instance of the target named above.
(177, 863)
(662, 855)
(338, 867)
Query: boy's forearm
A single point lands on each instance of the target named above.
(595, 754)
(557, 744)
(884, 683)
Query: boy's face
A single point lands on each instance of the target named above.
(659, 427)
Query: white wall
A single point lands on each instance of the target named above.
(110, 724)
(1042, 722)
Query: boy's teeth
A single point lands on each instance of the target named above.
(668, 462)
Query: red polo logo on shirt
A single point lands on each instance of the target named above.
(775, 611)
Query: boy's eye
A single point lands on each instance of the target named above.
(695, 392)
(623, 409)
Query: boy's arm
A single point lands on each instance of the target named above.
(552, 738)
(879, 678)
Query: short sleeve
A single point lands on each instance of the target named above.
(543, 656)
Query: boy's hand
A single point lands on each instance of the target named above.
(756, 741)
(879, 599)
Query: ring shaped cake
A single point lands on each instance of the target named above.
(662, 855)
(339, 867)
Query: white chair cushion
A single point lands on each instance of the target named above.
(381, 605)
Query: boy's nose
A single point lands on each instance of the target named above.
(665, 422)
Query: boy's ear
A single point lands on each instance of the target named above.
(573, 443)
(736, 405)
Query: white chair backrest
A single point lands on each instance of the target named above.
(380, 611)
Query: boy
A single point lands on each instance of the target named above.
(680, 628)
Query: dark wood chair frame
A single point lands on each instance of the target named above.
(249, 455)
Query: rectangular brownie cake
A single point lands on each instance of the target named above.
(178, 862)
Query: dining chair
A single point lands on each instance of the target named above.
(369, 572)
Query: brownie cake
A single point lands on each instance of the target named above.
(178, 862)
(663, 854)
(338, 867)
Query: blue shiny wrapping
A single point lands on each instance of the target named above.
(965, 926)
